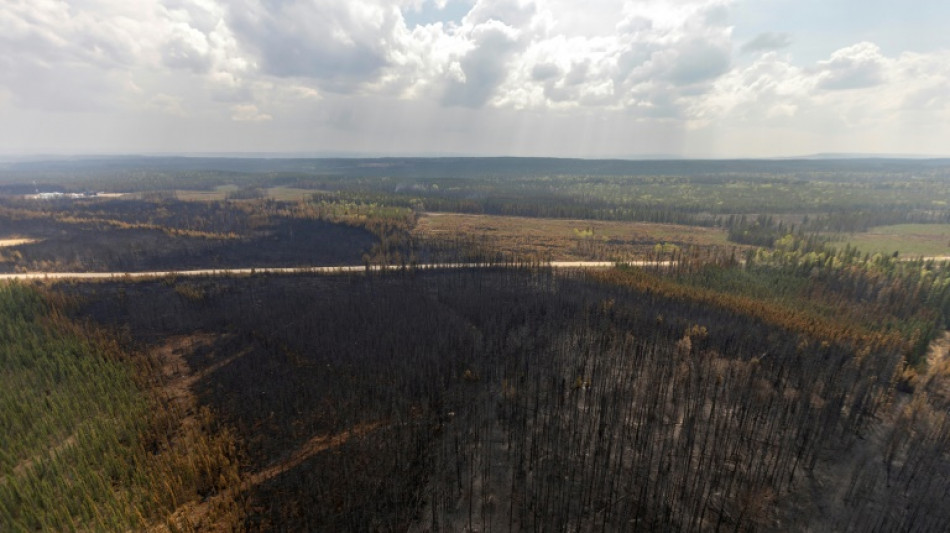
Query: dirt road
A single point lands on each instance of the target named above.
(344, 269)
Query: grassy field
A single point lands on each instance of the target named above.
(222, 192)
(564, 240)
(909, 240)
(289, 194)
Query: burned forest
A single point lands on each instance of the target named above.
(519, 354)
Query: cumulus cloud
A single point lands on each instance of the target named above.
(544, 71)
(855, 67)
(248, 113)
(512, 13)
(187, 48)
(503, 53)
(858, 93)
(699, 60)
(662, 64)
(642, 57)
(771, 87)
(483, 67)
(85, 54)
(67, 56)
(342, 44)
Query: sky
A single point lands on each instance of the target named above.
(558, 78)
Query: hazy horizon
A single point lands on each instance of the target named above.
(39, 156)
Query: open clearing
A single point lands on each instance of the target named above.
(910, 240)
(15, 242)
(223, 192)
(567, 240)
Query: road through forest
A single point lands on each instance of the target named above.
(344, 269)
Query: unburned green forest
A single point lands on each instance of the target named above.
(93, 439)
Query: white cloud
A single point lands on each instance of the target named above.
(341, 44)
(167, 104)
(594, 68)
(858, 99)
(237, 53)
(82, 55)
(858, 66)
(651, 55)
(248, 113)
(485, 66)
(608, 56)
(66, 56)
(770, 87)
(512, 13)
(698, 60)
(188, 48)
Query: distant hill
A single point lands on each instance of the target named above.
(463, 167)
(836, 155)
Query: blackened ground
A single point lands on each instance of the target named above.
(101, 248)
